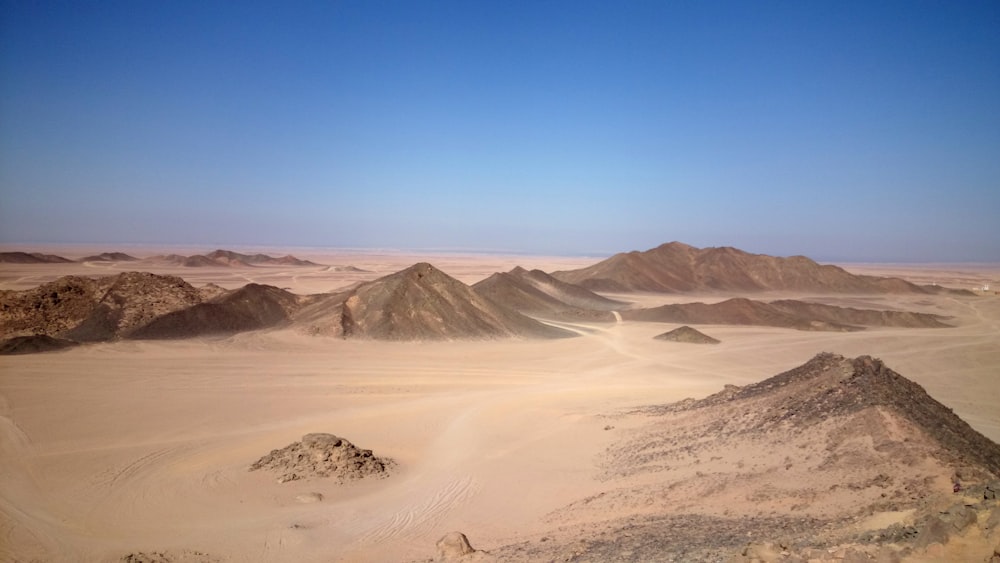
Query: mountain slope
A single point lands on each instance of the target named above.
(537, 293)
(252, 307)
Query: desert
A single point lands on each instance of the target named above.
(560, 433)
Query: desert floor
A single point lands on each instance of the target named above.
(112, 449)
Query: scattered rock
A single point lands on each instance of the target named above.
(185, 556)
(323, 455)
(308, 498)
(455, 546)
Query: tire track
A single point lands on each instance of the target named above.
(426, 512)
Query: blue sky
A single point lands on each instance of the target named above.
(838, 130)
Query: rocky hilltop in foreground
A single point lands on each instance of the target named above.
(840, 459)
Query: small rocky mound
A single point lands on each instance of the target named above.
(33, 344)
(687, 335)
(323, 456)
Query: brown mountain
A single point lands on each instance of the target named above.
(251, 307)
(675, 267)
(537, 293)
(109, 257)
(799, 315)
(418, 303)
(687, 335)
(31, 258)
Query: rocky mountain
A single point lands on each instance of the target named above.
(676, 267)
(422, 302)
(787, 313)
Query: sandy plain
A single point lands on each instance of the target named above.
(127, 447)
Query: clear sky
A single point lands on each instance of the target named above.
(839, 130)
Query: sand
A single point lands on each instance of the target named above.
(141, 447)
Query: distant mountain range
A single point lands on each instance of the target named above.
(678, 268)
(225, 258)
(423, 303)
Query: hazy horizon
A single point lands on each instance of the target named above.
(838, 131)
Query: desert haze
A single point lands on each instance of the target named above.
(353, 406)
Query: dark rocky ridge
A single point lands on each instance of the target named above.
(31, 258)
(829, 386)
(799, 315)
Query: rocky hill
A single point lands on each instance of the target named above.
(537, 293)
(798, 315)
(422, 302)
(840, 459)
(676, 267)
